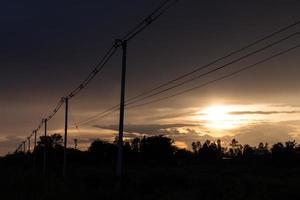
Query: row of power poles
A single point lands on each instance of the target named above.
(65, 100)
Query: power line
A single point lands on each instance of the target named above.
(218, 79)
(114, 108)
(132, 31)
(160, 10)
(97, 116)
(218, 68)
(109, 111)
(56, 109)
(217, 60)
(95, 71)
(86, 81)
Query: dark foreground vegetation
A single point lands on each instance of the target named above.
(154, 169)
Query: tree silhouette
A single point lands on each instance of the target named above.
(157, 148)
(196, 146)
(54, 141)
(102, 151)
(285, 154)
(248, 152)
(262, 149)
(236, 149)
(210, 151)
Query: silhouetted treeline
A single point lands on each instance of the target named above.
(157, 149)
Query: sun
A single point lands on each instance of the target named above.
(216, 113)
(218, 117)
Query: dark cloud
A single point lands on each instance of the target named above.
(170, 115)
(148, 129)
(9, 144)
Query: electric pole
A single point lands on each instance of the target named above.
(75, 144)
(45, 145)
(122, 105)
(34, 139)
(34, 150)
(24, 147)
(29, 144)
(66, 137)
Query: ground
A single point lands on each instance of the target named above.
(195, 181)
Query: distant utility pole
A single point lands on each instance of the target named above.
(45, 123)
(24, 146)
(66, 100)
(29, 144)
(122, 105)
(45, 143)
(75, 144)
(34, 150)
(34, 139)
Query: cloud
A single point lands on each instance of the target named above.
(183, 134)
(255, 133)
(252, 134)
(262, 112)
(9, 143)
(170, 116)
(148, 129)
(266, 132)
(286, 105)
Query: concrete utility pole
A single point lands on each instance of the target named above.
(122, 105)
(45, 143)
(66, 137)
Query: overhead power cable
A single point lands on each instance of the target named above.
(111, 110)
(217, 69)
(56, 109)
(218, 79)
(141, 96)
(100, 116)
(217, 60)
(95, 71)
(114, 108)
(160, 10)
(132, 33)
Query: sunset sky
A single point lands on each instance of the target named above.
(49, 47)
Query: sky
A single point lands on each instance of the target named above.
(48, 47)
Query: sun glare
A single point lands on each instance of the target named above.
(218, 117)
